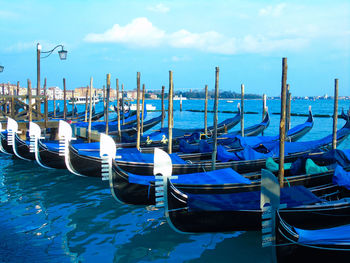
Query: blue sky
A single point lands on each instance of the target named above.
(246, 39)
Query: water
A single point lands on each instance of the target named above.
(54, 216)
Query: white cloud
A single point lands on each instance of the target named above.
(159, 8)
(180, 58)
(21, 46)
(30, 45)
(274, 11)
(142, 33)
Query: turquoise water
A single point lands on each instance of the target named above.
(54, 216)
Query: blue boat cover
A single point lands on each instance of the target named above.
(271, 148)
(341, 177)
(237, 140)
(186, 147)
(291, 196)
(52, 145)
(217, 177)
(205, 147)
(328, 236)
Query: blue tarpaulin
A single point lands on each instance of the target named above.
(329, 236)
(221, 176)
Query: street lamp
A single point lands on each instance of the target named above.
(1, 69)
(62, 54)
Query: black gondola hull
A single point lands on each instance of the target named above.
(50, 158)
(84, 165)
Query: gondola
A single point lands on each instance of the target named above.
(84, 158)
(131, 129)
(219, 212)
(112, 125)
(162, 134)
(293, 244)
(139, 189)
(196, 152)
(256, 161)
(68, 114)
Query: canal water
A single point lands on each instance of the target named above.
(55, 216)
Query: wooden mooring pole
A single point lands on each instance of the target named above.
(282, 122)
(138, 110)
(335, 115)
(263, 110)
(13, 103)
(54, 103)
(163, 110)
(118, 110)
(90, 111)
(288, 108)
(107, 101)
(206, 111)
(46, 106)
(64, 99)
(123, 110)
(30, 117)
(170, 113)
(17, 93)
(143, 107)
(180, 102)
(242, 110)
(86, 103)
(73, 103)
(216, 102)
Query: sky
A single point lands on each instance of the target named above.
(245, 39)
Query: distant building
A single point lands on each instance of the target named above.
(54, 92)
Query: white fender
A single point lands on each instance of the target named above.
(107, 146)
(34, 137)
(107, 154)
(12, 128)
(1, 148)
(12, 124)
(162, 163)
(64, 130)
(65, 136)
(34, 130)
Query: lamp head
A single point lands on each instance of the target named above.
(63, 54)
(1, 69)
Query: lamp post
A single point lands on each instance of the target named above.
(1, 69)
(62, 54)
